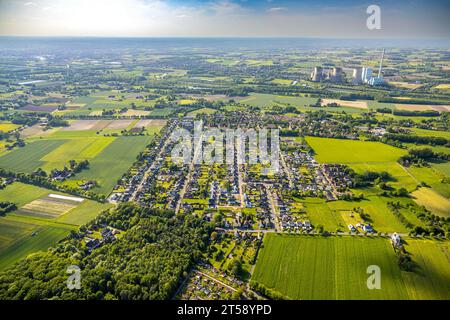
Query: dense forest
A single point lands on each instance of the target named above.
(155, 251)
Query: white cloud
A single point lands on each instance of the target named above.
(276, 9)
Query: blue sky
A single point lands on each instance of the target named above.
(219, 18)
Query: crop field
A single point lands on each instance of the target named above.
(352, 104)
(109, 165)
(40, 220)
(336, 268)
(28, 158)
(432, 178)
(352, 151)
(75, 149)
(40, 239)
(431, 133)
(327, 268)
(432, 277)
(109, 156)
(433, 201)
(265, 100)
(442, 168)
(8, 126)
(401, 177)
(201, 111)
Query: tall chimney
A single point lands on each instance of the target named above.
(381, 64)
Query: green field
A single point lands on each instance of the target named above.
(75, 149)
(332, 215)
(402, 178)
(110, 164)
(303, 267)
(352, 151)
(27, 230)
(431, 133)
(28, 158)
(42, 239)
(433, 201)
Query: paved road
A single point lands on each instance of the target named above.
(150, 169)
(197, 153)
(287, 171)
(273, 207)
(286, 232)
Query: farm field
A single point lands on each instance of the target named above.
(432, 277)
(8, 126)
(109, 165)
(265, 100)
(336, 268)
(352, 151)
(431, 133)
(402, 178)
(109, 156)
(28, 158)
(433, 201)
(201, 111)
(40, 220)
(381, 218)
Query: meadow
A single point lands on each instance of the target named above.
(40, 220)
(329, 150)
(7, 126)
(433, 201)
(28, 158)
(311, 268)
(335, 215)
(109, 156)
(110, 164)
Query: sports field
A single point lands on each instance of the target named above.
(352, 151)
(303, 267)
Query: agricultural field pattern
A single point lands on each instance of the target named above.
(89, 170)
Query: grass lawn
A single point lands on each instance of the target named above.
(433, 201)
(352, 151)
(303, 267)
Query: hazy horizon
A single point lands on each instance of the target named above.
(418, 19)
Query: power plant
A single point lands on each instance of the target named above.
(364, 74)
(334, 74)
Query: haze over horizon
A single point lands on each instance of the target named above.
(417, 19)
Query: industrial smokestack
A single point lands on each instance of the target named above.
(381, 64)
